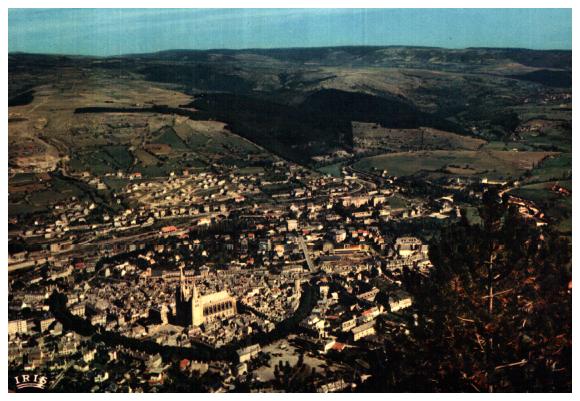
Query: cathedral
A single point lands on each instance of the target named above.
(193, 309)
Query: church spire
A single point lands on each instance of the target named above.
(182, 284)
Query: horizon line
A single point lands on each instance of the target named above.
(288, 48)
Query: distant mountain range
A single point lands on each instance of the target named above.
(374, 56)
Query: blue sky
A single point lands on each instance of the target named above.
(120, 31)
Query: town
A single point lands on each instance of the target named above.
(209, 260)
(193, 210)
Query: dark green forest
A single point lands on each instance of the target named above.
(496, 312)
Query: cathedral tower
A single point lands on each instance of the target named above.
(197, 318)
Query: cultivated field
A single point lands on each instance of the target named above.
(47, 134)
(491, 164)
(370, 136)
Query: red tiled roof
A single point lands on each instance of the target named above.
(168, 229)
(338, 346)
(184, 363)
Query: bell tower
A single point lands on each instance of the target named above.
(182, 299)
(197, 318)
(183, 290)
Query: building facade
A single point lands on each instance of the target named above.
(195, 309)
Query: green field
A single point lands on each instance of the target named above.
(332, 169)
(168, 136)
(554, 168)
(60, 190)
(20, 208)
(538, 193)
(374, 136)
(491, 164)
(116, 184)
(102, 160)
(507, 146)
(145, 158)
(251, 170)
(24, 178)
(557, 207)
(120, 155)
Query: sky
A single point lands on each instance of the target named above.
(108, 32)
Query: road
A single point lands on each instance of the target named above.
(304, 248)
(60, 376)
